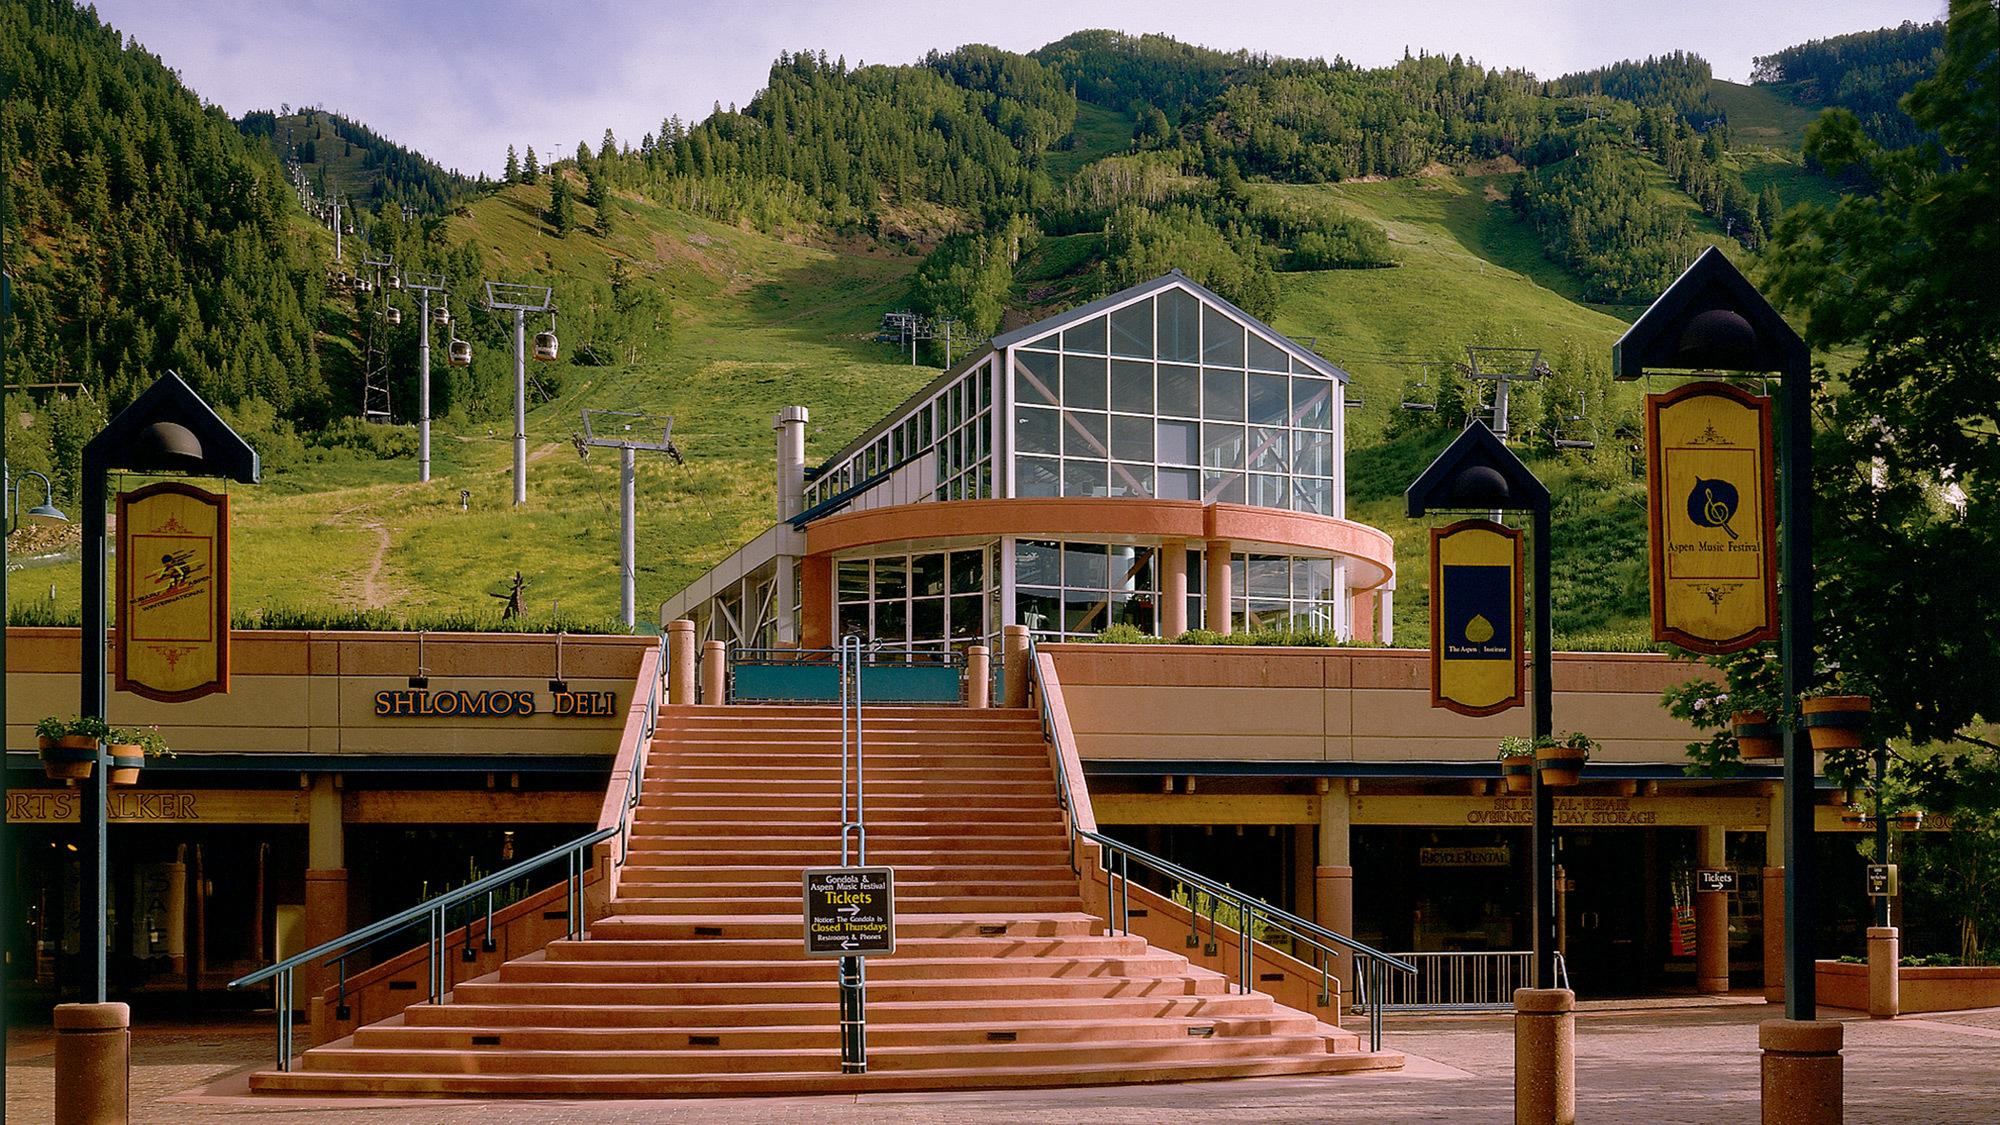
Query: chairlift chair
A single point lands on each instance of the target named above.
(1418, 405)
(545, 342)
(460, 353)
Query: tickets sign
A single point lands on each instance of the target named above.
(173, 592)
(850, 911)
(1709, 486)
(1476, 617)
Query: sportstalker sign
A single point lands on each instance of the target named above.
(1714, 538)
(850, 911)
(173, 593)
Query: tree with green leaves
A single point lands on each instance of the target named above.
(562, 210)
(597, 193)
(532, 170)
(1907, 493)
(513, 173)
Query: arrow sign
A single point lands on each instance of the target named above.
(849, 911)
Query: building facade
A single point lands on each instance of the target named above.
(1157, 458)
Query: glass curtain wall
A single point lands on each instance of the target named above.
(1173, 399)
(956, 423)
(926, 601)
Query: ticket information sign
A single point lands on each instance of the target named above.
(1710, 879)
(1881, 880)
(173, 592)
(1476, 617)
(850, 911)
(1709, 498)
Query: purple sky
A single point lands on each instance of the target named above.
(459, 80)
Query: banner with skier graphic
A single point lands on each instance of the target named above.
(173, 592)
(1710, 474)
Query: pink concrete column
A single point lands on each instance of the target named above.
(1801, 1072)
(680, 662)
(1014, 665)
(1885, 987)
(93, 1071)
(1711, 942)
(816, 602)
(1173, 588)
(1333, 907)
(1361, 616)
(978, 676)
(326, 919)
(1774, 935)
(1544, 1056)
(1215, 588)
(711, 672)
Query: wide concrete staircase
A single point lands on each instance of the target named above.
(696, 983)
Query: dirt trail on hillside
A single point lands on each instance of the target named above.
(371, 590)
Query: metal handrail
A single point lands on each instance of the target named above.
(1369, 961)
(436, 910)
(1459, 980)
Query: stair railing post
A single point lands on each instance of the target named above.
(1242, 945)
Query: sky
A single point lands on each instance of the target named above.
(460, 80)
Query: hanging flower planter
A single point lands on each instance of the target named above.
(1561, 762)
(1756, 735)
(68, 749)
(129, 748)
(1517, 765)
(1836, 722)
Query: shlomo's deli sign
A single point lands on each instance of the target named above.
(422, 703)
(173, 592)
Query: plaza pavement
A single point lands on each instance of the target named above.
(1674, 1061)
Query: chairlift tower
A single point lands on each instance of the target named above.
(1504, 366)
(520, 299)
(423, 285)
(628, 432)
(375, 362)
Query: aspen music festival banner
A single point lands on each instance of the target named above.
(1709, 486)
(173, 592)
(1476, 617)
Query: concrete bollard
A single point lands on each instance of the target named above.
(1774, 935)
(711, 672)
(1885, 988)
(1014, 665)
(93, 1064)
(680, 662)
(1801, 1072)
(978, 676)
(1544, 1056)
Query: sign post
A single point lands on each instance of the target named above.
(1476, 617)
(850, 912)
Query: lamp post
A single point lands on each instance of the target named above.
(1711, 319)
(1476, 472)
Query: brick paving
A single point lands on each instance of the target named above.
(1652, 1064)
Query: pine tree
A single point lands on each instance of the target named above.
(513, 166)
(532, 171)
(597, 193)
(562, 212)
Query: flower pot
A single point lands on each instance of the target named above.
(1518, 774)
(69, 758)
(126, 762)
(1836, 722)
(1756, 735)
(1560, 766)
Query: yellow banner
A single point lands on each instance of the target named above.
(173, 592)
(1476, 617)
(1709, 478)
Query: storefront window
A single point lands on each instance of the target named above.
(929, 600)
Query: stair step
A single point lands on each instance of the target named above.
(825, 1013)
(788, 924)
(608, 1085)
(816, 973)
(631, 904)
(718, 950)
(784, 992)
(731, 1038)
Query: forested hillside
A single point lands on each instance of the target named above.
(725, 266)
(1867, 73)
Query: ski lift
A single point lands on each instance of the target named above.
(441, 318)
(341, 279)
(461, 353)
(1561, 442)
(1417, 404)
(363, 286)
(348, 230)
(395, 281)
(392, 314)
(545, 342)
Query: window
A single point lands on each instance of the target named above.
(1075, 589)
(926, 600)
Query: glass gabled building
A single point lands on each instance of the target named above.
(1157, 458)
